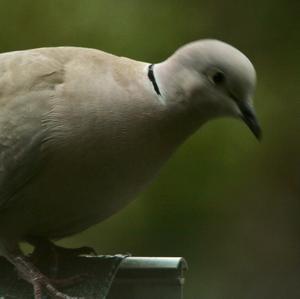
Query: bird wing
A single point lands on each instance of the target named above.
(28, 81)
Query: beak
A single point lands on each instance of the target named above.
(250, 119)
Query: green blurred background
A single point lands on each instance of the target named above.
(228, 204)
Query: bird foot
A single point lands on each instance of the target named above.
(39, 281)
(44, 247)
(72, 252)
(47, 251)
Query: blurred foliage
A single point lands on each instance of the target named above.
(226, 203)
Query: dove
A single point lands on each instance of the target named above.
(82, 132)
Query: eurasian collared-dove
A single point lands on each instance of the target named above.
(83, 131)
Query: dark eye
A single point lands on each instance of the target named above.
(218, 78)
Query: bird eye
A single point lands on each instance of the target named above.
(218, 78)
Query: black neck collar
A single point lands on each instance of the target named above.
(152, 79)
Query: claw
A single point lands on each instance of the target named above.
(45, 250)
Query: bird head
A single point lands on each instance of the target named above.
(214, 79)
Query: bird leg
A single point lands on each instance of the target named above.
(38, 280)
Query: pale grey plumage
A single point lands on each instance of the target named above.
(83, 131)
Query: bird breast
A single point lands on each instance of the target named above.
(101, 149)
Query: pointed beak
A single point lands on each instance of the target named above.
(250, 119)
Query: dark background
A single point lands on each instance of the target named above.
(226, 203)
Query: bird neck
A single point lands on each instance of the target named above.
(167, 77)
(175, 85)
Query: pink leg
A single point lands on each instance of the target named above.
(38, 280)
